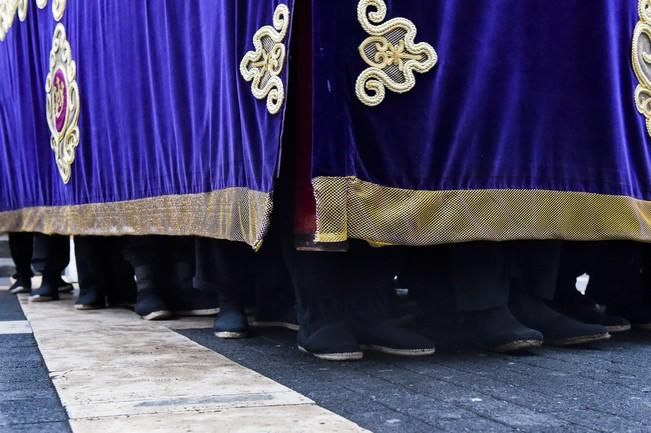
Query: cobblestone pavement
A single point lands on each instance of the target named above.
(28, 401)
(603, 388)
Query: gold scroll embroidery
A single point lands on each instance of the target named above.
(63, 103)
(264, 65)
(8, 12)
(390, 52)
(642, 61)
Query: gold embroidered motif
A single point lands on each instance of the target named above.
(63, 103)
(390, 52)
(58, 9)
(642, 61)
(8, 11)
(22, 9)
(264, 65)
(41, 4)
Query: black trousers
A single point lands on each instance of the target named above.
(481, 275)
(224, 267)
(101, 267)
(615, 268)
(161, 262)
(49, 254)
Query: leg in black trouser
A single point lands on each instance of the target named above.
(225, 268)
(21, 246)
(53, 257)
(344, 304)
(178, 264)
(478, 276)
(616, 278)
(274, 292)
(103, 273)
(147, 256)
(534, 275)
(578, 258)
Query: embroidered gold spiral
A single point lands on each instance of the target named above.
(642, 61)
(8, 11)
(263, 66)
(390, 52)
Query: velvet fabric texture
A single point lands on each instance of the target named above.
(164, 108)
(533, 95)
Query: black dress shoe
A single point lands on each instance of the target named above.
(231, 322)
(285, 318)
(593, 315)
(192, 302)
(331, 342)
(47, 292)
(21, 285)
(557, 329)
(64, 286)
(389, 337)
(497, 330)
(638, 314)
(150, 305)
(90, 299)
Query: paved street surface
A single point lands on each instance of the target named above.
(116, 373)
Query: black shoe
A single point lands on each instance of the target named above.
(593, 315)
(231, 322)
(192, 302)
(47, 292)
(151, 306)
(639, 315)
(557, 329)
(286, 318)
(90, 299)
(389, 337)
(64, 286)
(20, 285)
(331, 342)
(497, 330)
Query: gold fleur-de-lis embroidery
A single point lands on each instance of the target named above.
(264, 65)
(62, 103)
(642, 61)
(391, 53)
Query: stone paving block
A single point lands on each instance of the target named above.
(389, 421)
(49, 427)
(17, 340)
(39, 410)
(295, 419)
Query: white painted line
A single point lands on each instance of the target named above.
(15, 327)
(115, 372)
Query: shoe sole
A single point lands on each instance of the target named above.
(514, 346)
(343, 356)
(198, 312)
(158, 315)
(584, 339)
(643, 327)
(229, 335)
(21, 290)
(399, 352)
(83, 307)
(618, 328)
(286, 325)
(39, 298)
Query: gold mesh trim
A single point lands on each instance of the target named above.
(350, 208)
(236, 214)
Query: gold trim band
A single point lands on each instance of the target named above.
(350, 208)
(236, 214)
